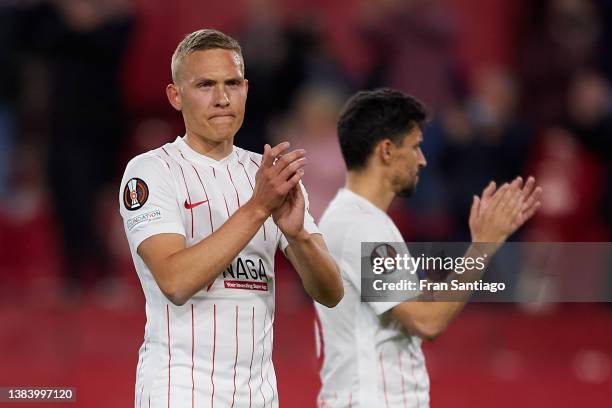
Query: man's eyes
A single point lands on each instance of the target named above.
(209, 84)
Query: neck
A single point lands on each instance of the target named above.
(372, 187)
(213, 149)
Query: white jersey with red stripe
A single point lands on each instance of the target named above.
(368, 358)
(215, 350)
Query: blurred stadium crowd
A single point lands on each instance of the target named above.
(512, 88)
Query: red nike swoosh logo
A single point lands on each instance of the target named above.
(191, 206)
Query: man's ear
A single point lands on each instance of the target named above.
(385, 151)
(174, 97)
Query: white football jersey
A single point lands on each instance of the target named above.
(216, 349)
(369, 360)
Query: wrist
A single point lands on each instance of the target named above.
(487, 239)
(485, 248)
(301, 236)
(256, 211)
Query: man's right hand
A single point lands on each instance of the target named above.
(277, 176)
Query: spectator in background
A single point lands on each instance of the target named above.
(412, 44)
(8, 93)
(483, 139)
(282, 56)
(573, 183)
(589, 114)
(412, 48)
(83, 42)
(272, 74)
(312, 126)
(562, 38)
(320, 65)
(604, 59)
(573, 162)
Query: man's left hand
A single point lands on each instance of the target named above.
(289, 217)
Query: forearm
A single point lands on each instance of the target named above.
(317, 269)
(431, 318)
(492, 219)
(426, 319)
(189, 270)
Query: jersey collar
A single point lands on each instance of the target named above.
(194, 156)
(362, 202)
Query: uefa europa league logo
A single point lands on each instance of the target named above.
(133, 193)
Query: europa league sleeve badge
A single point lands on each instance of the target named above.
(135, 194)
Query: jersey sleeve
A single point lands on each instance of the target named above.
(372, 230)
(147, 200)
(309, 223)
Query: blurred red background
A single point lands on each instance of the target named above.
(513, 87)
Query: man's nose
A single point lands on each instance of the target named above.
(422, 160)
(221, 98)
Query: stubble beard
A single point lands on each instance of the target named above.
(409, 190)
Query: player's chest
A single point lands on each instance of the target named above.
(209, 196)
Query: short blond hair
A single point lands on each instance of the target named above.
(205, 39)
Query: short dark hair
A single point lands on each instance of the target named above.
(371, 116)
(202, 40)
